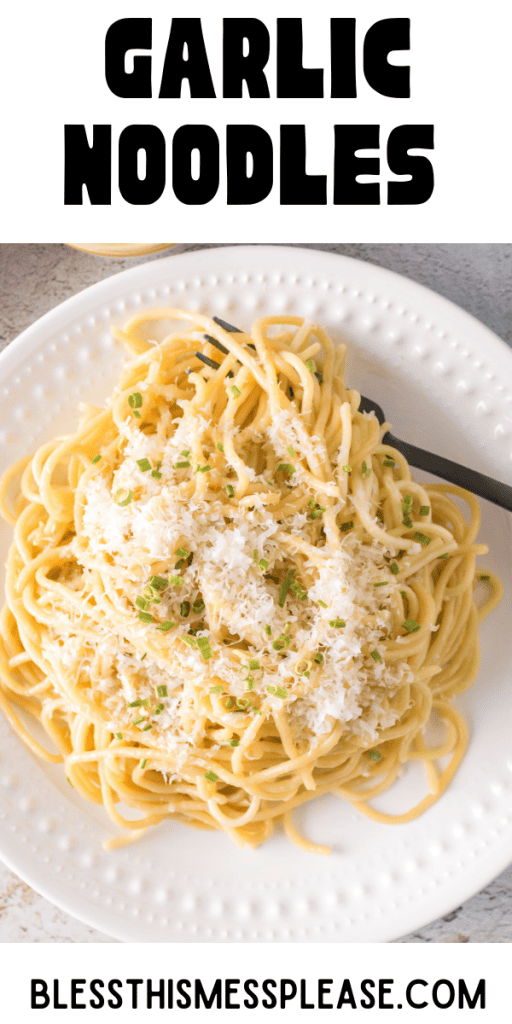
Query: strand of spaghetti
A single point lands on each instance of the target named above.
(443, 781)
(298, 840)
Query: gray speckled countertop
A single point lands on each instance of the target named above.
(35, 278)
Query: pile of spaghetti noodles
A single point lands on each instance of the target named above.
(226, 595)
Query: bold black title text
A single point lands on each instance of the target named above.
(190, 154)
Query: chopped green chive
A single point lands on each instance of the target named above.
(263, 564)
(190, 640)
(162, 690)
(347, 526)
(144, 465)
(422, 538)
(281, 642)
(137, 414)
(365, 471)
(164, 627)
(250, 683)
(406, 510)
(184, 609)
(158, 582)
(268, 631)
(135, 704)
(144, 656)
(156, 474)
(95, 459)
(411, 625)
(176, 581)
(137, 721)
(123, 496)
(159, 708)
(119, 735)
(198, 606)
(142, 602)
(311, 365)
(185, 452)
(278, 691)
(318, 658)
(203, 469)
(70, 783)
(143, 763)
(375, 655)
(383, 584)
(253, 664)
(231, 493)
(424, 510)
(220, 447)
(216, 689)
(211, 776)
(316, 511)
(389, 462)
(145, 617)
(285, 467)
(135, 400)
(291, 451)
(234, 742)
(229, 703)
(284, 588)
(204, 648)
(322, 604)
(337, 623)
(235, 391)
(446, 555)
(183, 553)
(394, 568)
(181, 465)
(146, 728)
(484, 577)
(375, 755)
(405, 599)
(347, 469)
(297, 589)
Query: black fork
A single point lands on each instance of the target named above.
(484, 486)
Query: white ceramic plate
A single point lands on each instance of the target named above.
(445, 382)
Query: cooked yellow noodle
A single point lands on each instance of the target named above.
(75, 653)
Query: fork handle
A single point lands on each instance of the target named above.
(469, 479)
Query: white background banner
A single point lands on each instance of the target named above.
(53, 75)
(415, 982)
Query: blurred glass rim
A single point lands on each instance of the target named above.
(120, 248)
